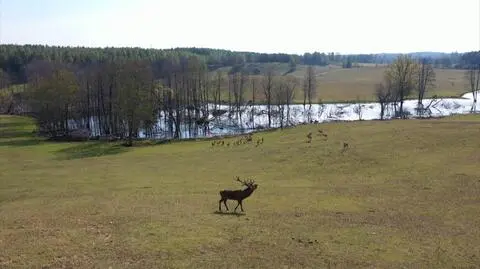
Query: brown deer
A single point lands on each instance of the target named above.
(309, 136)
(345, 147)
(237, 195)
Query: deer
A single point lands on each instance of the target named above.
(345, 147)
(237, 195)
(309, 136)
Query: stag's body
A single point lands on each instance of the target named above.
(236, 195)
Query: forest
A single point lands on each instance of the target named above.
(15, 58)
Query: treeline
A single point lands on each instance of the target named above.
(116, 99)
(15, 58)
(126, 98)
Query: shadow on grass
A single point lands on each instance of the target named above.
(228, 213)
(12, 124)
(15, 134)
(20, 142)
(89, 150)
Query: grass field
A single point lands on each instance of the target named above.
(336, 84)
(406, 194)
(350, 84)
(347, 84)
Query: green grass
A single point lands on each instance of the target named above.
(404, 195)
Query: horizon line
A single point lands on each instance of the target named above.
(231, 50)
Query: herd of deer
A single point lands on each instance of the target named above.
(243, 140)
(325, 136)
(320, 133)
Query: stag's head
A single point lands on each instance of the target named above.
(250, 184)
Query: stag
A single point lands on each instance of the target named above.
(237, 195)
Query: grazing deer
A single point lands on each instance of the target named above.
(237, 195)
(309, 136)
(345, 147)
(320, 132)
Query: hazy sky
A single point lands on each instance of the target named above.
(293, 26)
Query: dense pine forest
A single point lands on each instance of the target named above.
(120, 92)
(14, 59)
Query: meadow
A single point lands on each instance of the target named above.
(404, 194)
(337, 84)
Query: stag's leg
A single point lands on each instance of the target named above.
(220, 204)
(239, 204)
(225, 203)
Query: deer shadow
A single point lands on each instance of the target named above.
(229, 213)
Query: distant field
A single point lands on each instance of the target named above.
(406, 194)
(338, 84)
(347, 84)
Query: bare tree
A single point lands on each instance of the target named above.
(238, 81)
(309, 86)
(234, 82)
(244, 77)
(426, 80)
(284, 89)
(383, 92)
(6, 99)
(134, 101)
(267, 84)
(290, 85)
(358, 108)
(4, 79)
(279, 99)
(402, 74)
(472, 76)
(218, 85)
(254, 92)
(52, 98)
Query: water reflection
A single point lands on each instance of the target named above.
(223, 121)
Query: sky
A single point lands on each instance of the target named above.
(293, 26)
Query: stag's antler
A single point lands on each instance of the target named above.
(244, 182)
(241, 181)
